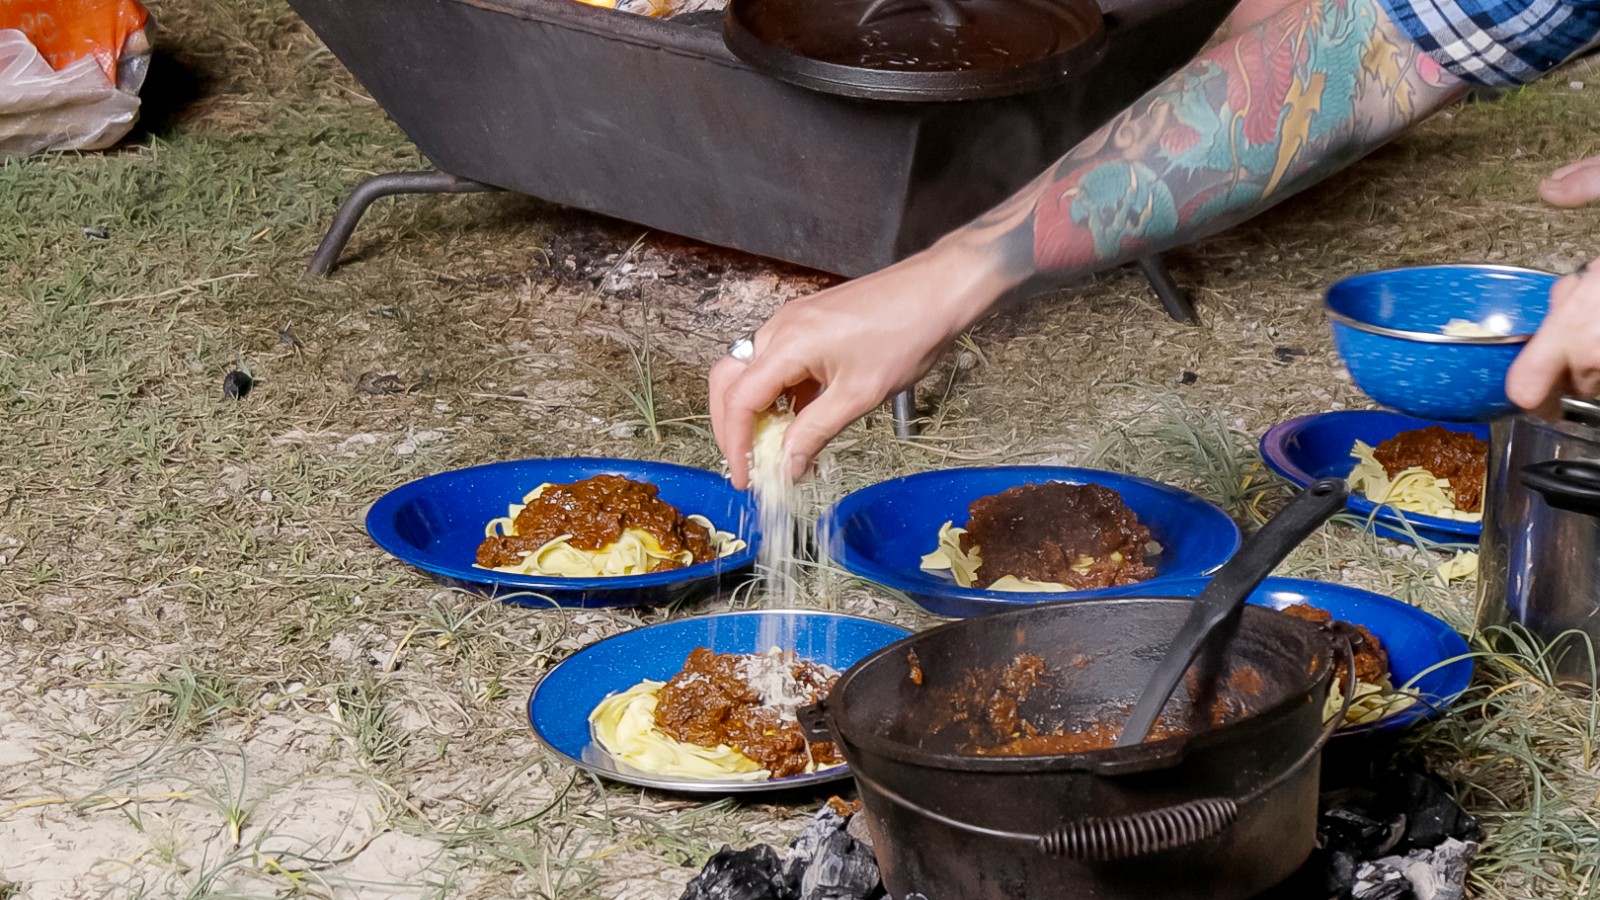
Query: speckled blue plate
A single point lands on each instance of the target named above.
(436, 524)
(560, 705)
(1311, 447)
(1388, 329)
(880, 533)
(1426, 655)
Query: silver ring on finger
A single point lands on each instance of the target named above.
(744, 349)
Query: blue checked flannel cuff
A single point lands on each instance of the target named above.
(1499, 43)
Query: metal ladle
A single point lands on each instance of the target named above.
(1221, 599)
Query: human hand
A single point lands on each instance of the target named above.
(1574, 184)
(837, 354)
(1563, 359)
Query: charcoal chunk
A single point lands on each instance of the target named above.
(1436, 874)
(237, 385)
(824, 863)
(843, 869)
(754, 874)
(1402, 837)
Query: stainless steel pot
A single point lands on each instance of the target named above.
(1539, 563)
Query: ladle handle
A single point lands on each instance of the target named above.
(1228, 589)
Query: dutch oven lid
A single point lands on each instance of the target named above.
(917, 49)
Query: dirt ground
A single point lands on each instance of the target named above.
(212, 684)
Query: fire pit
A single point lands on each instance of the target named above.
(657, 122)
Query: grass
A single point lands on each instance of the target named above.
(187, 588)
(1521, 748)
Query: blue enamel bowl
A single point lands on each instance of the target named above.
(1309, 448)
(1388, 329)
(1426, 655)
(880, 533)
(560, 704)
(436, 524)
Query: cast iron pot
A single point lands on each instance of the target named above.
(918, 50)
(1539, 561)
(1226, 812)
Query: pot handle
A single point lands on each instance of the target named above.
(1572, 485)
(1142, 833)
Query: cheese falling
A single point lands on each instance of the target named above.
(777, 497)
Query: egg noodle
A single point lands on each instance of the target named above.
(1373, 701)
(624, 725)
(1494, 326)
(963, 566)
(1462, 565)
(1411, 490)
(636, 552)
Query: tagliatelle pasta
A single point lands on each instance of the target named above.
(1411, 490)
(963, 566)
(634, 552)
(724, 717)
(1373, 701)
(1462, 565)
(625, 726)
(1050, 537)
(1494, 326)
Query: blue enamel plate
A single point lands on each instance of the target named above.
(561, 702)
(1311, 447)
(880, 533)
(436, 524)
(1426, 656)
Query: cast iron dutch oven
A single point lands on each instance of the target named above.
(1226, 811)
(917, 49)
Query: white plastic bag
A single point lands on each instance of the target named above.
(76, 108)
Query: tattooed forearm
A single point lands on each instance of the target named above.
(1258, 117)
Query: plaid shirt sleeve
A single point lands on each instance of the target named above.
(1499, 43)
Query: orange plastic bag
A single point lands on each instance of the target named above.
(65, 31)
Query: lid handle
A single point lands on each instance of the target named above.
(946, 11)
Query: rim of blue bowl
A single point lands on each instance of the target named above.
(1430, 337)
(914, 585)
(380, 528)
(690, 785)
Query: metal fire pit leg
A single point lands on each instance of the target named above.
(1179, 305)
(377, 187)
(905, 413)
